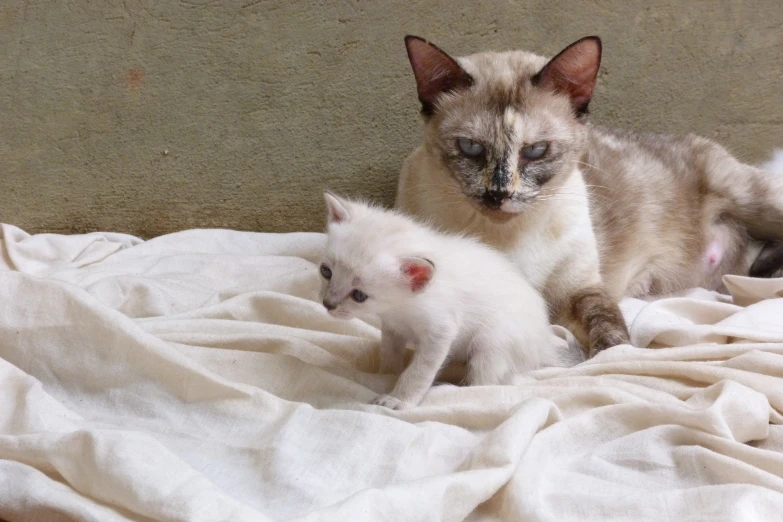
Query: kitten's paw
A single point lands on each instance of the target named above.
(390, 402)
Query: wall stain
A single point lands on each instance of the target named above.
(133, 79)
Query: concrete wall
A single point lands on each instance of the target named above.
(149, 116)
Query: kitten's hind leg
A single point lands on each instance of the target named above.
(488, 367)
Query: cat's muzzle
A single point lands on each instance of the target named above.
(494, 198)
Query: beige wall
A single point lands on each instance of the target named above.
(260, 104)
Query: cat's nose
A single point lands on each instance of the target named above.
(329, 305)
(494, 198)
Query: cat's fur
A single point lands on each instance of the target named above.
(604, 213)
(453, 297)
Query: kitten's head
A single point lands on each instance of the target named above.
(365, 269)
(507, 126)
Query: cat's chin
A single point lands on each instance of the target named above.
(499, 216)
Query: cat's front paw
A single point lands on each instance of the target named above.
(390, 402)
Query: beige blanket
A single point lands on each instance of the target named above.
(195, 377)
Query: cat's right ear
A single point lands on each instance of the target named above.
(417, 271)
(336, 207)
(573, 72)
(436, 72)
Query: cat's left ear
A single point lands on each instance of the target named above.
(337, 208)
(418, 272)
(573, 72)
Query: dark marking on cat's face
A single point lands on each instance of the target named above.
(513, 102)
(503, 178)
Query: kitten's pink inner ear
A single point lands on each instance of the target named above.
(435, 71)
(418, 271)
(337, 212)
(574, 72)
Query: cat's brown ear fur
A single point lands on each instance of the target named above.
(435, 71)
(573, 72)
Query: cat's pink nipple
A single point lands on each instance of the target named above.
(714, 255)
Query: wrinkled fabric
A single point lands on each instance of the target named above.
(195, 377)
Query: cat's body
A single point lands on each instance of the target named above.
(452, 297)
(601, 214)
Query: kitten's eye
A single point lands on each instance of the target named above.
(470, 147)
(358, 296)
(326, 272)
(536, 150)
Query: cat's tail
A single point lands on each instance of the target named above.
(769, 262)
(747, 194)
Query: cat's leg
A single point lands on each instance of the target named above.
(595, 319)
(392, 352)
(418, 377)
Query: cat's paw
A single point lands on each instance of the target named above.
(608, 340)
(390, 402)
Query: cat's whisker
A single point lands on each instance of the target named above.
(564, 193)
(595, 168)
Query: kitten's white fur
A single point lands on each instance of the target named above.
(472, 305)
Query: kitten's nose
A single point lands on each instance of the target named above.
(494, 198)
(329, 306)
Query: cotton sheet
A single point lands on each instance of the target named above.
(195, 377)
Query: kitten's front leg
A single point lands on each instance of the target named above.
(418, 377)
(392, 353)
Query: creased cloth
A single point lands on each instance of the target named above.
(196, 377)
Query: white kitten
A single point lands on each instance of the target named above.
(449, 295)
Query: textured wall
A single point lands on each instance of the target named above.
(151, 116)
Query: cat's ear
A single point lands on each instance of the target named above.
(436, 72)
(336, 207)
(573, 72)
(417, 271)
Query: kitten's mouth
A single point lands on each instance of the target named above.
(338, 314)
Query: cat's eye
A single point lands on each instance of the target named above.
(535, 151)
(358, 296)
(470, 148)
(326, 272)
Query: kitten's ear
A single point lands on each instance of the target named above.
(418, 272)
(337, 208)
(573, 72)
(436, 72)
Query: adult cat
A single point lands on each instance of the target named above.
(588, 213)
